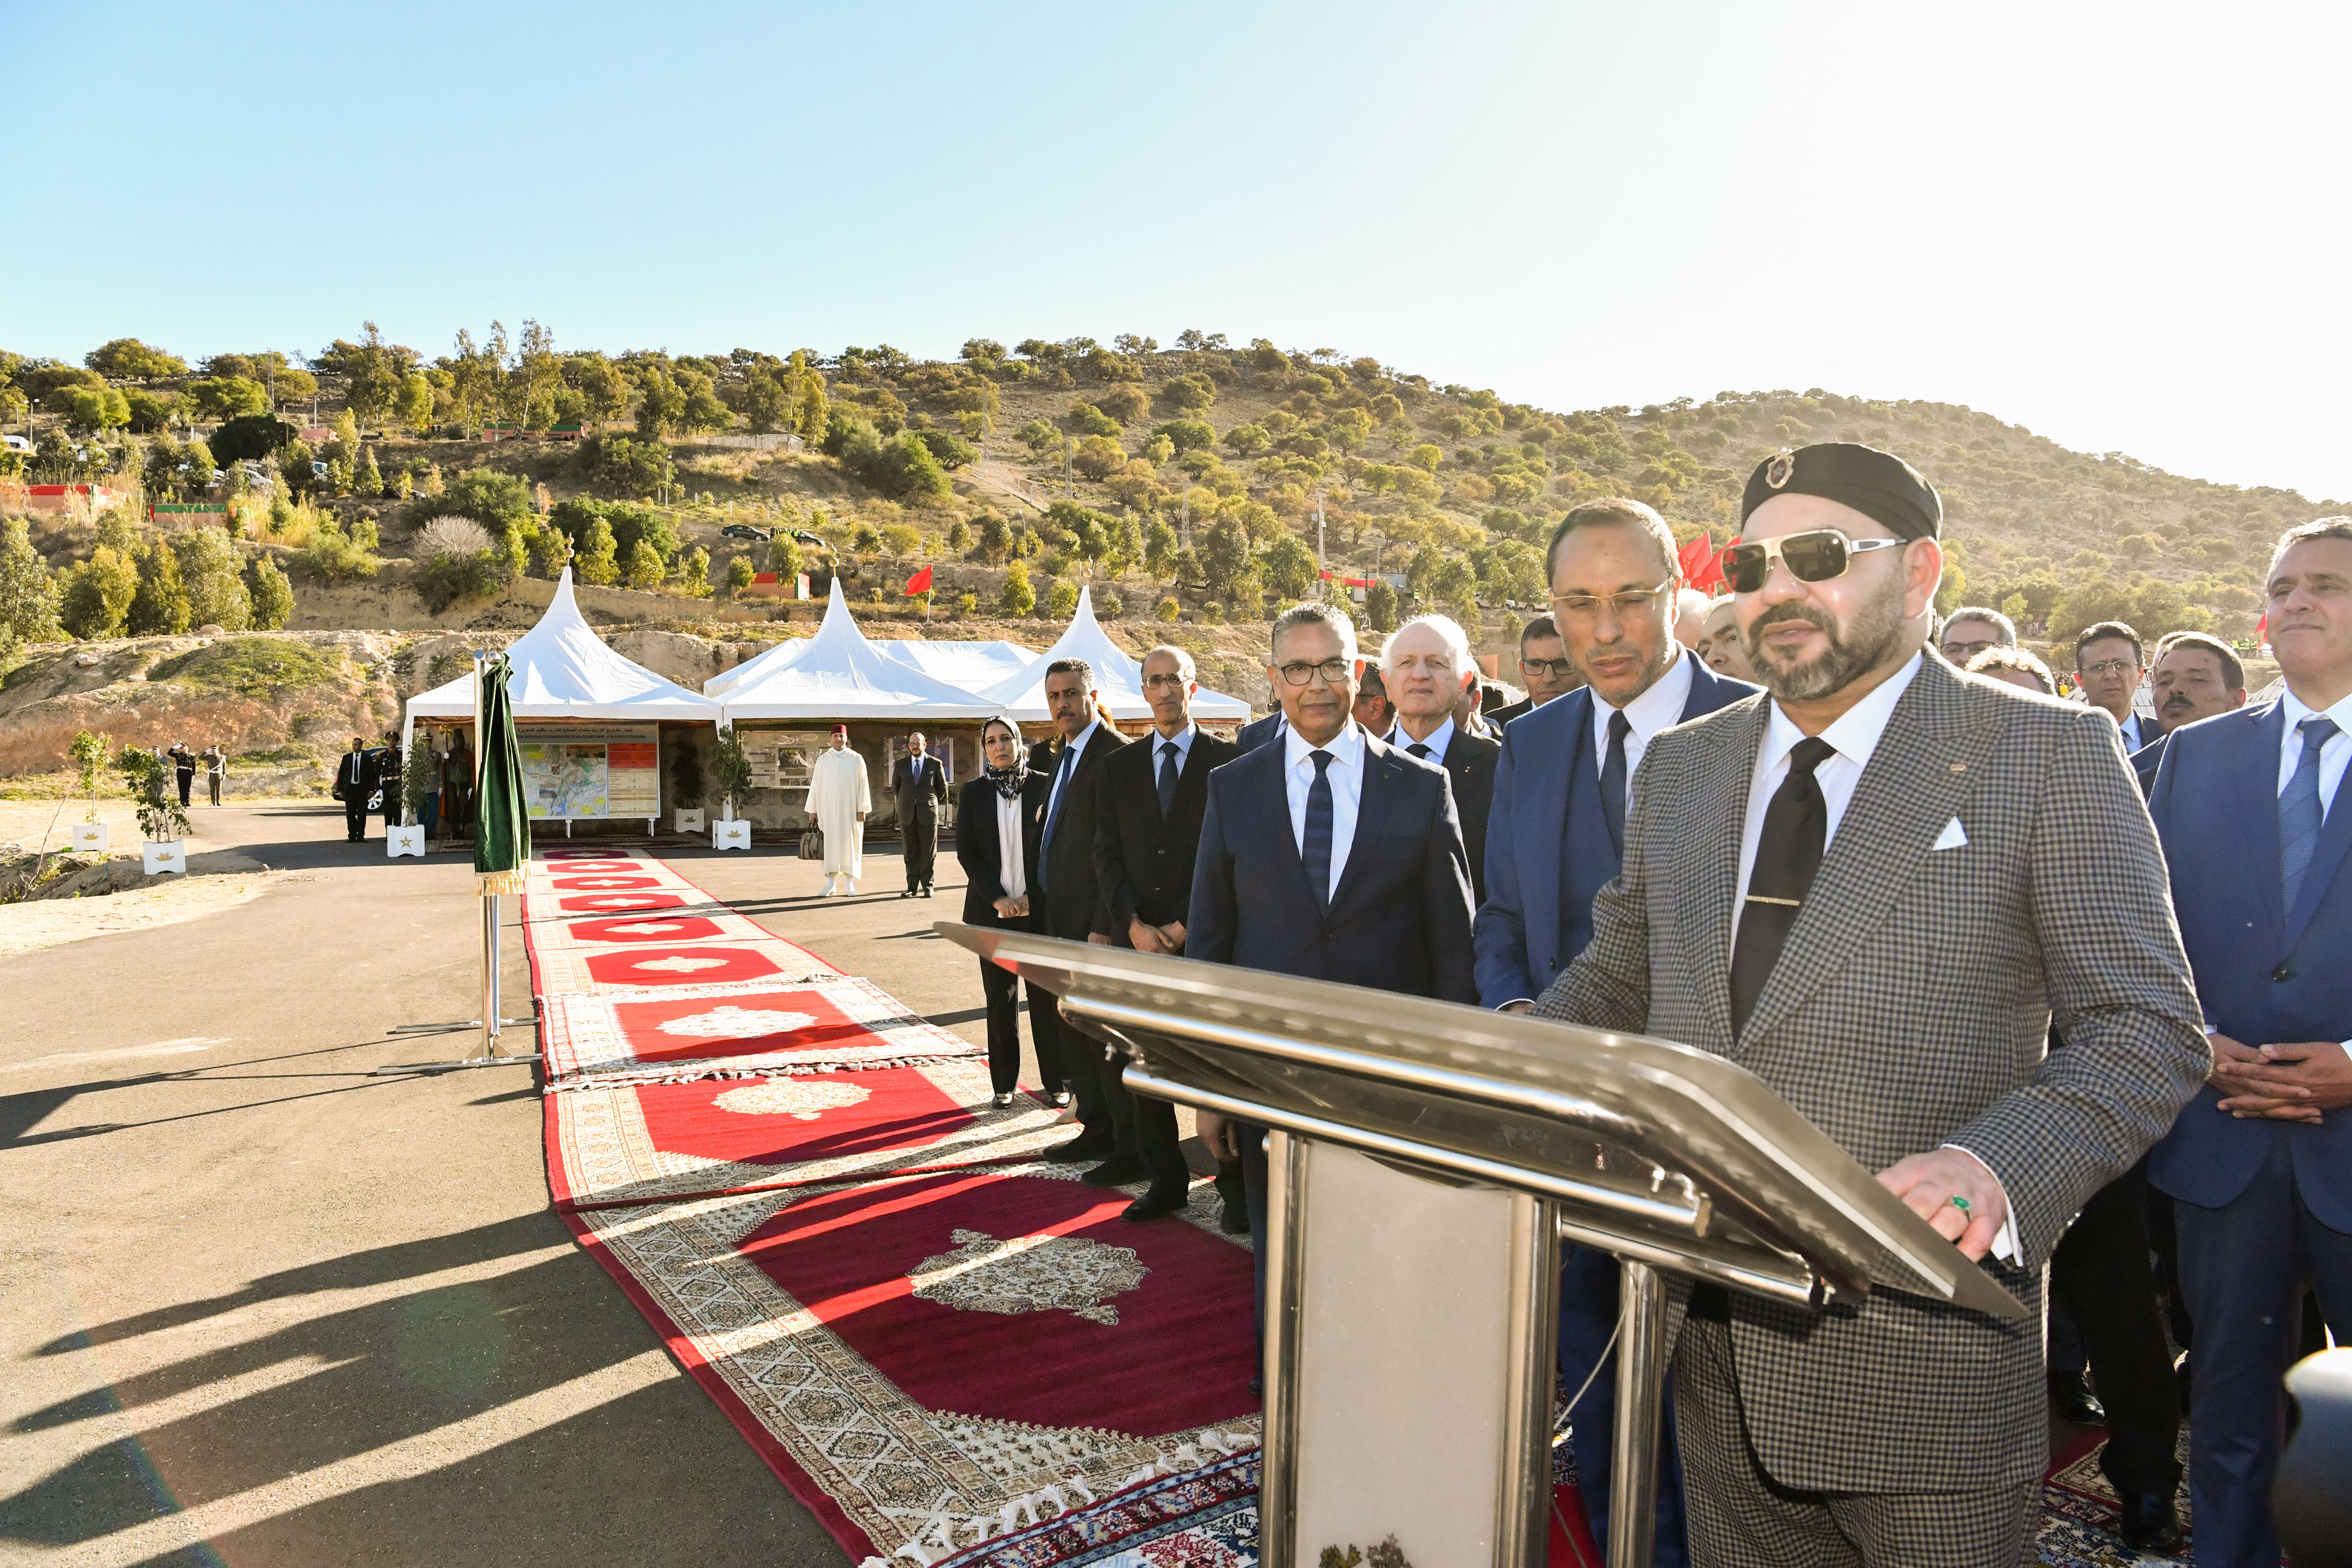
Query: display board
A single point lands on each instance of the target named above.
(783, 761)
(582, 773)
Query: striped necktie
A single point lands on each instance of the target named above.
(1315, 849)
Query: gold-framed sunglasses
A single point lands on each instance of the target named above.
(1814, 556)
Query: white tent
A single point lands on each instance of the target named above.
(837, 675)
(1116, 673)
(564, 670)
(974, 666)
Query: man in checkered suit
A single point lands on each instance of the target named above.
(1875, 891)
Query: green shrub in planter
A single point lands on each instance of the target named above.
(146, 779)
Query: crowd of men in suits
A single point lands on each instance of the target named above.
(2073, 980)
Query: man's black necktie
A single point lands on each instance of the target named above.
(1167, 778)
(1612, 782)
(1418, 750)
(1796, 827)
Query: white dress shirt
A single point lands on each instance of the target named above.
(1009, 869)
(1345, 772)
(2332, 756)
(1439, 739)
(1181, 740)
(1652, 712)
(1855, 735)
(2139, 731)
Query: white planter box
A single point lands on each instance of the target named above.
(169, 856)
(90, 837)
(725, 834)
(689, 821)
(399, 841)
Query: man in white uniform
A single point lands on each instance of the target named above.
(838, 800)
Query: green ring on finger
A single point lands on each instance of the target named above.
(1960, 1204)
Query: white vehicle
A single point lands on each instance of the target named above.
(18, 443)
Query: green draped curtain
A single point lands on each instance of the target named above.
(502, 820)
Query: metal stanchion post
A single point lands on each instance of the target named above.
(1640, 1406)
(489, 1021)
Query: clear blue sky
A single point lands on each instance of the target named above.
(2121, 225)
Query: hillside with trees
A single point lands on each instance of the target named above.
(1188, 484)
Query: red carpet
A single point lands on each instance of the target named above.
(934, 1341)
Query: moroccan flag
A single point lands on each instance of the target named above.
(921, 583)
(2262, 630)
(1701, 567)
(502, 820)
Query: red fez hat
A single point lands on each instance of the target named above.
(842, 729)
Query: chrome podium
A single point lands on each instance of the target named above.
(1425, 1161)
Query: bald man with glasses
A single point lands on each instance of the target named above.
(1554, 836)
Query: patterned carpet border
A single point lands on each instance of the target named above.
(604, 1152)
(1202, 1518)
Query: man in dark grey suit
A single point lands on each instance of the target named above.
(1427, 665)
(1878, 891)
(1067, 893)
(918, 787)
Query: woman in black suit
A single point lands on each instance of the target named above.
(1000, 818)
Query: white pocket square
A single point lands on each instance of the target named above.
(1951, 837)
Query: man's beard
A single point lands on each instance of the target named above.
(1877, 624)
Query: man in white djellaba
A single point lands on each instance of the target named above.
(838, 800)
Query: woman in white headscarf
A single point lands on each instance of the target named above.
(1000, 817)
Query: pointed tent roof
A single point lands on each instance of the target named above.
(1118, 674)
(564, 670)
(838, 674)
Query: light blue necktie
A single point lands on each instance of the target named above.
(2298, 808)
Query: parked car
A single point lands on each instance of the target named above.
(17, 443)
(745, 530)
(802, 536)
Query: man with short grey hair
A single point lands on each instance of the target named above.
(1971, 630)
(1427, 665)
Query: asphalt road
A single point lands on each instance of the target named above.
(259, 1308)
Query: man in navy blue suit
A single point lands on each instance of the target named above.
(1326, 854)
(1553, 836)
(2260, 1164)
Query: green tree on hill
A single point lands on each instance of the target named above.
(1017, 597)
(645, 569)
(212, 574)
(273, 596)
(128, 359)
(595, 558)
(160, 603)
(661, 406)
(28, 595)
(97, 594)
(1061, 600)
(739, 576)
(766, 404)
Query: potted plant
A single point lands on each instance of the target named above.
(731, 771)
(685, 784)
(90, 753)
(423, 770)
(147, 780)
